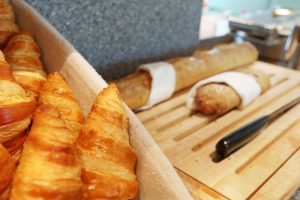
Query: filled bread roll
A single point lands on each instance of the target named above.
(48, 167)
(219, 98)
(135, 88)
(23, 56)
(105, 154)
(16, 108)
(57, 93)
(7, 168)
(7, 23)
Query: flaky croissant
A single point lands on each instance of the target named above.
(7, 168)
(16, 108)
(7, 24)
(105, 154)
(6, 11)
(57, 93)
(48, 168)
(23, 56)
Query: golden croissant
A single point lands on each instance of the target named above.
(57, 93)
(7, 168)
(23, 56)
(16, 108)
(6, 12)
(48, 167)
(7, 24)
(105, 154)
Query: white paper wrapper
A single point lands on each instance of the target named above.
(163, 82)
(244, 85)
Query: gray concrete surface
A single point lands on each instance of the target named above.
(116, 36)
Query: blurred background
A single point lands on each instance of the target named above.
(271, 25)
(216, 13)
(117, 36)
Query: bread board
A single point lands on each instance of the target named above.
(266, 168)
(156, 176)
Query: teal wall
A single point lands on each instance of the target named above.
(250, 5)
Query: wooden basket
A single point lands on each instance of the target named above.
(266, 168)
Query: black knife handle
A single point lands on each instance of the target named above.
(240, 137)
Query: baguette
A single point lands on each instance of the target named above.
(135, 88)
(48, 167)
(105, 154)
(218, 98)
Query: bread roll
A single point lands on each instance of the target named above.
(105, 154)
(217, 98)
(48, 167)
(135, 88)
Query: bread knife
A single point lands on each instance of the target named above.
(238, 138)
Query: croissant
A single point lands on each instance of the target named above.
(7, 24)
(7, 168)
(6, 12)
(16, 107)
(105, 154)
(57, 93)
(48, 168)
(23, 55)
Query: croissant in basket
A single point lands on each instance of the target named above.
(7, 168)
(48, 168)
(7, 24)
(16, 107)
(56, 92)
(105, 154)
(23, 56)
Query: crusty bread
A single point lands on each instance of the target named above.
(135, 88)
(218, 98)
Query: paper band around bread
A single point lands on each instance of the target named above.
(245, 86)
(163, 82)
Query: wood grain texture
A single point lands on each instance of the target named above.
(188, 139)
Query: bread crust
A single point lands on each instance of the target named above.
(218, 98)
(135, 88)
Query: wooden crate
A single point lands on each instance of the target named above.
(266, 168)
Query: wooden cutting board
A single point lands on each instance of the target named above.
(266, 168)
